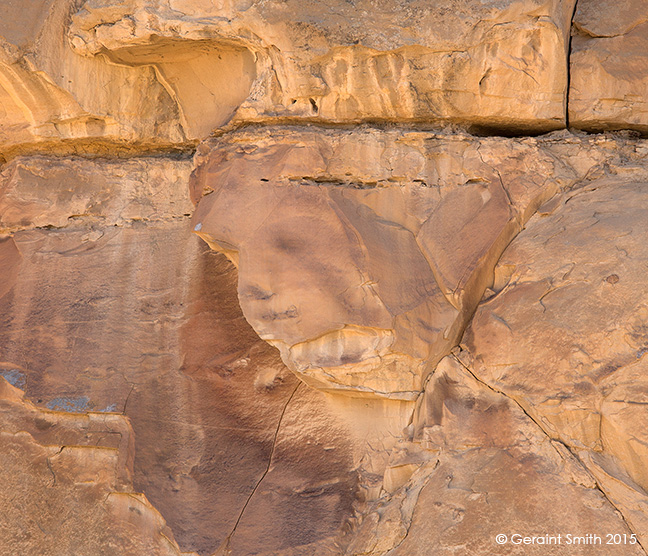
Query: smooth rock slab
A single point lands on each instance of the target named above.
(567, 337)
(362, 254)
(609, 66)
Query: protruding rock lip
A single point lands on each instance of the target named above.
(267, 168)
(314, 72)
(599, 126)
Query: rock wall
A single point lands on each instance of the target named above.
(608, 65)
(322, 278)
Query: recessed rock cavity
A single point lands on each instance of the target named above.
(323, 278)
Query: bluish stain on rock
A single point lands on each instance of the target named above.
(73, 405)
(14, 377)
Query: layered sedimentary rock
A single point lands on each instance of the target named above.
(158, 417)
(40, 192)
(494, 64)
(161, 74)
(608, 66)
(362, 254)
(67, 484)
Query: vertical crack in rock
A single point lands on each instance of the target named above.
(225, 546)
(49, 466)
(132, 388)
(558, 440)
(569, 52)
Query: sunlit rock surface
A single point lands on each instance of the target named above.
(609, 67)
(566, 337)
(479, 467)
(496, 64)
(168, 73)
(327, 278)
(67, 484)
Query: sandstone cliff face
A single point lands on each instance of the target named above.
(332, 294)
(67, 484)
(345, 62)
(583, 329)
(482, 466)
(273, 282)
(608, 66)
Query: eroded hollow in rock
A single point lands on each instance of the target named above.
(255, 298)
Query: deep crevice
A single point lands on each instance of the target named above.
(99, 149)
(569, 52)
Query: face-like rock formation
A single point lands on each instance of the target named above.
(363, 254)
(296, 278)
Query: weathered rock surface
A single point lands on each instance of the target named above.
(566, 338)
(497, 64)
(151, 74)
(67, 485)
(39, 191)
(111, 304)
(143, 407)
(482, 468)
(168, 73)
(323, 224)
(49, 94)
(609, 66)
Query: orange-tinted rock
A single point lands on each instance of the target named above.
(10, 264)
(362, 254)
(501, 64)
(101, 72)
(204, 394)
(365, 235)
(609, 66)
(42, 191)
(483, 468)
(122, 309)
(48, 93)
(566, 338)
(67, 485)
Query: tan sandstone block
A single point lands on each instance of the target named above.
(609, 66)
